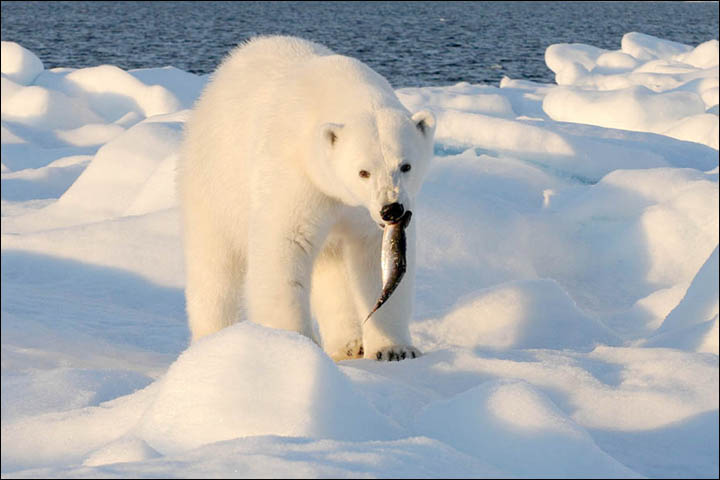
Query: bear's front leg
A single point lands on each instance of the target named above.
(386, 334)
(281, 250)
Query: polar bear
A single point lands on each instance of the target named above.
(294, 159)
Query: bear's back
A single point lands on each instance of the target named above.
(272, 51)
(265, 102)
(266, 63)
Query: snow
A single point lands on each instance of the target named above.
(519, 315)
(521, 430)
(288, 384)
(649, 85)
(693, 323)
(634, 108)
(566, 298)
(19, 64)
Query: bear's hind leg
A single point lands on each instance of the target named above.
(334, 307)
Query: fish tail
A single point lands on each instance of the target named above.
(377, 305)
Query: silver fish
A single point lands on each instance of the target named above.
(392, 258)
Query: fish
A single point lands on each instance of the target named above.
(392, 258)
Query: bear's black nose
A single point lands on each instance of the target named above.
(392, 212)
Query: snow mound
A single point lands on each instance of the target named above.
(570, 60)
(251, 380)
(650, 85)
(112, 181)
(623, 230)
(693, 323)
(634, 108)
(650, 389)
(19, 64)
(527, 314)
(184, 86)
(705, 55)
(247, 380)
(122, 450)
(646, 47)
(90, 134)
(112, 92)
(511, 425)
(50, 181)
(130, 175)
(481, 99)
(48, 109)
(700, 128)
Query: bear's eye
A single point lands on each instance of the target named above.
(405, 167)
(364, 174)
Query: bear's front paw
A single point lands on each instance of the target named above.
(397, 352)
(353, 349)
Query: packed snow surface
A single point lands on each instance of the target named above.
(566, 300)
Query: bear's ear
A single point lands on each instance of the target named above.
(424, 121)
(330, 132)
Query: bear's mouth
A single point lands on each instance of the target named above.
(383, 225)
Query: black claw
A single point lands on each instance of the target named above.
(413, 354)
(404, 354)
(379, 355)
(361, 352)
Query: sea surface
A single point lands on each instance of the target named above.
(410, 43)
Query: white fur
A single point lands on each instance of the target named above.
(272, 200)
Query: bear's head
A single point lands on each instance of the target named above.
(377, 161)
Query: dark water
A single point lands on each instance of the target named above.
(410, 43)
